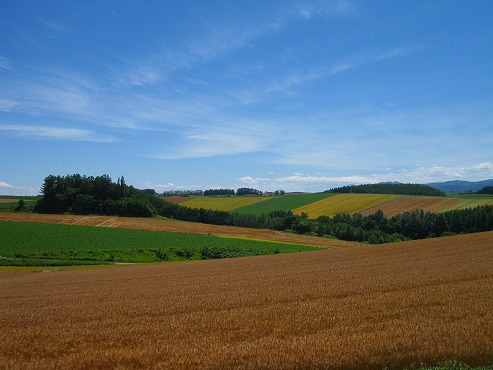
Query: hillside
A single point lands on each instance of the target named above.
(395, 305)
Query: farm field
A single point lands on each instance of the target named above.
(328, 204)
(428, 204)
(396, 306)
(344, 203)
(27, 243)
(153, 224)
(221, 203)
(282, 203)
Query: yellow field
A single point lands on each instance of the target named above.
(222, 203)
(344, 203)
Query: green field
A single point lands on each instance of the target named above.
(33, 244)
(220, 203)
(283, 203)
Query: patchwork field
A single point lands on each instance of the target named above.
(344, 203)
(395, 306)
(282, 203)
(427, 204)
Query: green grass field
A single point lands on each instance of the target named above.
(283, 203)
(33, 244)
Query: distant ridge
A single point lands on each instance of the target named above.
(460, 186)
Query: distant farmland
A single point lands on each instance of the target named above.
(428, 204)
(344, 203)
(328, 204)
(282, 203)
(389, 306)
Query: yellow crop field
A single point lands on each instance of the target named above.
(222, 203)
(345, 203)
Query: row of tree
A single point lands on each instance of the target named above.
(99, 195)
(404, 189)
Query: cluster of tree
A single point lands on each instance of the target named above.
(182, 193)
(99, 195)
(404, 189)
(240, 191)
(248, 191)
(486, 190)
(93, 195)
(219, 192)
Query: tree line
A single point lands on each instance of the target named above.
(402, 189)
(100, 195)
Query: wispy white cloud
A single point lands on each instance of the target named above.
(63, 133)
(235, 138)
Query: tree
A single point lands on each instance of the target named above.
(20, 205)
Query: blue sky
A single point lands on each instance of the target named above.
(292, 95)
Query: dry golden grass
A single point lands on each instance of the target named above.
(365, 307)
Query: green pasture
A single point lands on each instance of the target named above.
(283, 203)
(32, 244)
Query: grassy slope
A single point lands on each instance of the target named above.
(283, 203)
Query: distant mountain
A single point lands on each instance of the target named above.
(459, 186)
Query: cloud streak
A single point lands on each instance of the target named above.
(61, 133)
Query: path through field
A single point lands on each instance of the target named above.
(395, 305)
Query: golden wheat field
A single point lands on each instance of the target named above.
(396, 305)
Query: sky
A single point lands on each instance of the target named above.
(272, 95)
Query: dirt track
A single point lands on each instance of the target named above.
(175, 226)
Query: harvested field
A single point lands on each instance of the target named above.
(395, 305)
(175, 226)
